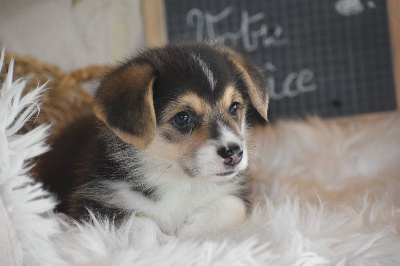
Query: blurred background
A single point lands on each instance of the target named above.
(332, 58)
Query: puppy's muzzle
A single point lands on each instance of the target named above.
(232, 154)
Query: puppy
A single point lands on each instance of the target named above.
(167, 140)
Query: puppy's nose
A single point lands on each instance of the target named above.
(232, 155)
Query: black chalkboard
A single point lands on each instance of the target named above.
(321, 57)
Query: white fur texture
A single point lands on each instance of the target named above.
(25, 233)
(327, 194)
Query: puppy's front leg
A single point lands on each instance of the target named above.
(145, 232)
(216, 217)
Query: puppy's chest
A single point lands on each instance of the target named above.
(175, 199)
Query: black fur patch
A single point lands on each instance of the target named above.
(100, 211)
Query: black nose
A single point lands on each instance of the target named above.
(233, 155)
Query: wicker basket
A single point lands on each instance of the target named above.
(65, 100)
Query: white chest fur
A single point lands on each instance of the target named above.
(180, 197)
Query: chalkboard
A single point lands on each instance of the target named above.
(321, 57)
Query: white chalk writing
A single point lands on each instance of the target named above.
(205, 24)
(294, 84)
(352, 7)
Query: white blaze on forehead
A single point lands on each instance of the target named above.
(207, 71)
(227, 136)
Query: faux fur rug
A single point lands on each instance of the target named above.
(326, 193)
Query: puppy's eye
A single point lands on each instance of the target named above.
(181, 119)
(233, 109)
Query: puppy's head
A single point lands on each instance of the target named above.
(185, 104)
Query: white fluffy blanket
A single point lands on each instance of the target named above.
(326, 194)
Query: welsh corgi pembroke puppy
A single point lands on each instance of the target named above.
(167, 140)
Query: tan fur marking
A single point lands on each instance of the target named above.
(187, 144)
(152, 127)
(255, 97)
(191, 100)
(226, 100)
(177, 151)
(230, 96)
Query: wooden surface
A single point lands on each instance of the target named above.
(154, 22)
(394, 21)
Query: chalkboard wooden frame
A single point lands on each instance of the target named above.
(154, 22)
(156, 34)
(394, 24)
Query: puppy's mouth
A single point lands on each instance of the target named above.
(225, 173)
(193, 174)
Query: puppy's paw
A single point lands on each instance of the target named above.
(164, 239)
(145, 232)
(190, 231)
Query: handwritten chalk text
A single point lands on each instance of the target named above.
(294, 84)
(205, 25)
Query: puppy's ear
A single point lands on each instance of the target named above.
(255, 80)
(124, 102)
